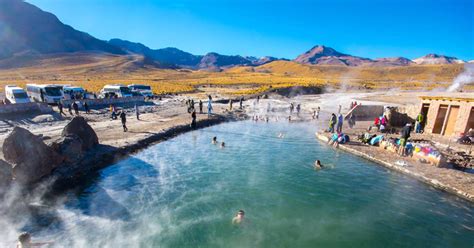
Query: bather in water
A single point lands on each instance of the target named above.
(318, 165)
(239, 218)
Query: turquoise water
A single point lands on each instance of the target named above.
(184, 192)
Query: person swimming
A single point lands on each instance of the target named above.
(214, 140)
(318, 165)
(24, 241)
(239, 218)
(222, 144)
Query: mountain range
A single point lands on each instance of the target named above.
(27, 32)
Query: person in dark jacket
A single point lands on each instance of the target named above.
(123, 118)
(405, 134)
(76, 108)
(193, 121)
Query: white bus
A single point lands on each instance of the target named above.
(16, 94)
(50, 94)
(116, 90)
(73, 92)
(144, 90)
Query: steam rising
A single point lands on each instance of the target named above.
(466, 77)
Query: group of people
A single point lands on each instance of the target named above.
(215, 142)
(335, 123)
(123, 116)
(73, 106)
(380, 123)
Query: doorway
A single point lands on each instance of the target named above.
(451, 122)
(439, 121)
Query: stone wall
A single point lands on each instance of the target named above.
(367, 111)
(31, 107)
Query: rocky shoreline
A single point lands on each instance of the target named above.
(443, 183)
(77, 154)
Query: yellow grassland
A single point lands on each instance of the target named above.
(94, 74)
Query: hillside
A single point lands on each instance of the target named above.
(25, 28)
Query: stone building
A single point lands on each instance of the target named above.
(447, 116)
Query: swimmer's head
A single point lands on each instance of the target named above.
(318, 162)
(214, 139)
(222, 144)
(24, 238)
(241, 213)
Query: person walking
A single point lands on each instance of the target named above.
(241, 102)
(123, 118)
(317, 112)
(193, 119)
(75, 107)
(298, 109)
(137, 112)
(200, 106)
(230, 104)
(60, 108)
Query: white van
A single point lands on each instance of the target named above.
(144, 90)
(16, 94)
(75, 92)
(116, 90)
(50, 94)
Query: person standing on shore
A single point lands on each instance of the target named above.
(340, 120)
(123, 118)
(332, 122)
(193, 121)
(351, 120)
(317, 112)
(69, 109)
(230, 104)
(75, 107)
(86, 107)
(419, 121)
(137, 112)
(200, 106)
(298, 109)
(209, 106)
(241, 102)
(404, 139)
(60, 107)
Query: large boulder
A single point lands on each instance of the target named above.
(5, 173)
(70, 147)
(78, 126)
(30, 156)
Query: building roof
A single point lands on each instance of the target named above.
(446, 98)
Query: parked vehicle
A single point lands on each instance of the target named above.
(73, 92)
(144, 90)
(115, 90)
(50, 94)
(15, 94)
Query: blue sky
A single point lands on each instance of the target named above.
(281, 28)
